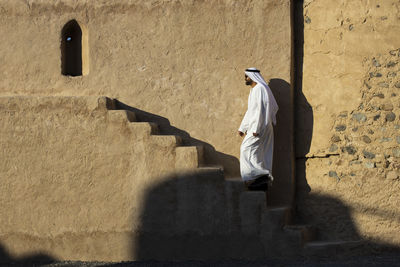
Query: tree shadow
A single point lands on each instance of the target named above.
(199, 216)
(318, 210)
(211, 156)
(184, 217)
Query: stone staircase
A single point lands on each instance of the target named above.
(271, 225)
(141, 194)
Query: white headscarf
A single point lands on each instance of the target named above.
(255, 75)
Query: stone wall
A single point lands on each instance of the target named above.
(348, 157)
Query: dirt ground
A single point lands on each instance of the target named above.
(387, 259)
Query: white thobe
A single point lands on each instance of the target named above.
(256, 152)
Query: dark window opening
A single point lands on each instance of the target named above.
(71, 49)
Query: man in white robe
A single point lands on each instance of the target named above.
(256, 151)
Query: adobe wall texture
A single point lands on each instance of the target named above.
(78, 180)
(64, 195)
(82, 182)
(348, 128)
(182, 63)
(181, 60)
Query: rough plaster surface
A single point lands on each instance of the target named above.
(82, 182)
(71, 165)
(336, 45)
(68, 167)
(182, 60)
(348, 164)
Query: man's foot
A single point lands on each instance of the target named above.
(259, 184)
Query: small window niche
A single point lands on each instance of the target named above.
(74, 50)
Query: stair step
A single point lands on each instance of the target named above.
(235, 185)
(188, 157)
(131, 116)
(121, 116)
(277, 217)
(144, 128)
(214, 172)
(211, 175)
(234, 180)
(252, 205)
(324, 244)
(211, 168)
(106, 103)
(332, 248)
(166, 140)
(306, 233)
(218, 169)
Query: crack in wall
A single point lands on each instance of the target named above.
(309, 3)
(326, 156)
(28, 4)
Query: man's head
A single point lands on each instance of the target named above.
(254, 77)
(248, 80)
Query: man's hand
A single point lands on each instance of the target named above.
(255, 134)
(241, 134)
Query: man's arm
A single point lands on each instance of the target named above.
(255, 110)
(244, 125)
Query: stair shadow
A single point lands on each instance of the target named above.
(30, 260)
(211, 156)
(283, 191)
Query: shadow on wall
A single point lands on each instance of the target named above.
(353, 243)
(304, 118)
(303, 115)
(283, 191)
(321, 206)
(211, 156)
(6, 258)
